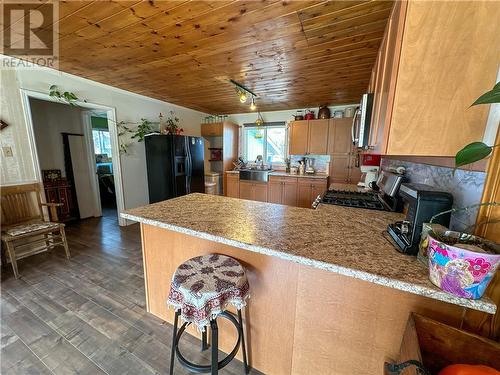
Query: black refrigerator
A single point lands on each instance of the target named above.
(175, 166)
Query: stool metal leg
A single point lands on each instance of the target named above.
(204, 341)
(215, 347)
(243, 346)
(174, 341)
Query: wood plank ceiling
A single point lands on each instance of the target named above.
(293, 54)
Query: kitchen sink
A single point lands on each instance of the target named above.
(255, 174)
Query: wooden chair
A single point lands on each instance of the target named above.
(23, 225)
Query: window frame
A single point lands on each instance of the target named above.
(264, 127)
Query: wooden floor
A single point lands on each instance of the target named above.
(87, 315)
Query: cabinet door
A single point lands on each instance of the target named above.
(304, 191)
(233, 186)
(275, 190)
(211, 130)
(299, 131)
(289, 192)
(246, 190)
(339, 136)
(318, 187)
(318, 137)
(260, 192)
(339, 168)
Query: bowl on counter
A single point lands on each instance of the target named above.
(462, 269)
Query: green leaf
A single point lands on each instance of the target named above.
(492, 96)
(52, 88)
(471, 153)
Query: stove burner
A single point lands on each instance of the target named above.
(353, 199)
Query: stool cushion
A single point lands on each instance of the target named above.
(203, 286)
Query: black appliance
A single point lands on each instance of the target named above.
(175, 166)
(421, 203)
(384, 200)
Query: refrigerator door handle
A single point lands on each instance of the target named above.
(189, 170)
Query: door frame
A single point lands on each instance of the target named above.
(113, 133)
(89, 142)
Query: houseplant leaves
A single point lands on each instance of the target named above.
(471, 153)
(492, 96)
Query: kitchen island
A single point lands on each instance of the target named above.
(330, 294)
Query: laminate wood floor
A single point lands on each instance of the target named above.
(87, 315)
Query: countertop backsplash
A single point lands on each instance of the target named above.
(321, 162)
(465, 186)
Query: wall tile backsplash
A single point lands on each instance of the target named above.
(321, 162)
(465, 186)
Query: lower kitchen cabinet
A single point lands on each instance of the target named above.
(282, 190)
(255, 191)
(287, 190)
(232, 185)
(308, 189)
(260, 192)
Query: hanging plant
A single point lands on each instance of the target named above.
(65, 97)
(476, 151)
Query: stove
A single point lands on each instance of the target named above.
(368, 200)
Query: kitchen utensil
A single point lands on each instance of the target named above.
(309, 115)
(299, 115)
(323, 112)
(349, 112)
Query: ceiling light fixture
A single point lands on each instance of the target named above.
(243, 94)
(260, 120)
(253, 107)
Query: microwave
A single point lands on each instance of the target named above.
(361, 122)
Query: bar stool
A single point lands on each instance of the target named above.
(202, 287)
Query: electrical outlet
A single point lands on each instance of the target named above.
(7, 151)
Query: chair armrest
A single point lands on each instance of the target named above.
(52, 204)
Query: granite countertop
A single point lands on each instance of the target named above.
(347, 241)
(285, 174)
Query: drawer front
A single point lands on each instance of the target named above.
(285, 179)
(233, 176)
(313, 181)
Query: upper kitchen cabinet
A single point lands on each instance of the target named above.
(309, 137)
(435, 60)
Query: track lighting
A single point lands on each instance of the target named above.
(243, 96)
(253, 107)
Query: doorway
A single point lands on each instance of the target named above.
(76, 161)
(103, 157)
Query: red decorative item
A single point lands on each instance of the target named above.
(370, 159)
(309, 115)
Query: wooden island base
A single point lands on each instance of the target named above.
(299, 319)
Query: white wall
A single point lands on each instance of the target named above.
(49, 121)
(129, 107)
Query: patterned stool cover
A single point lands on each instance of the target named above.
(203, 286)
